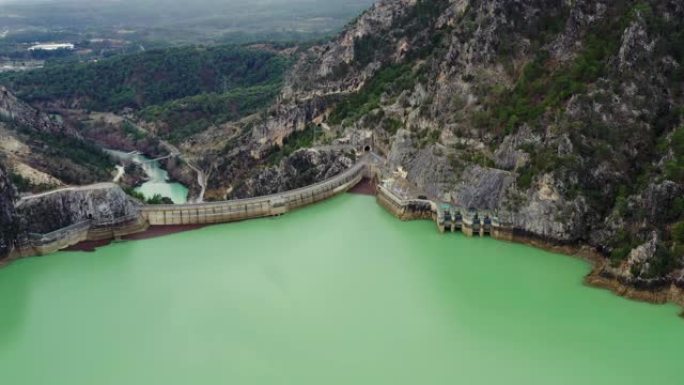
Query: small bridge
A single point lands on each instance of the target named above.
(160, 158)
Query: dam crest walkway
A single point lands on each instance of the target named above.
(264, 206)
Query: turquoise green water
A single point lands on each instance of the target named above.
(159, 184)
(338, 293)
(158, 179)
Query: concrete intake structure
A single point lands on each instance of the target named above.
(447, 217)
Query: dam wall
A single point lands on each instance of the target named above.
(35, 244)
(241, 209)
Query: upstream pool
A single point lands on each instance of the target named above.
(337, 293)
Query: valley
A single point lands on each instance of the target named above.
(525, 118)
(357, 192)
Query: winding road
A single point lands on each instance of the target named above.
(202, 177)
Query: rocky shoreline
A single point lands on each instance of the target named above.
(657, 293)
(665, 292)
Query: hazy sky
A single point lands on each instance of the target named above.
(184, 20)
(189, 2)
(186, 3)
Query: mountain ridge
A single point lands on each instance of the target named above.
(564, 117)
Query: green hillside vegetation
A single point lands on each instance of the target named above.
(185, 117)
(95, 162)
(296, 141)
(392, 80)
(149, 78)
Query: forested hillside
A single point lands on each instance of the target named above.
(175, 93)
(179, 22)
(148, 78)
(179, 119)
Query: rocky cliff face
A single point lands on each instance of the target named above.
(302, 168)
(563, 117)
(8, 224)
(15, 110)
(61, 208)
(44, 151)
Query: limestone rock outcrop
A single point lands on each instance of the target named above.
(102, 203)
(302, 168)
(14, 109)
(8, 220)
(562, 117)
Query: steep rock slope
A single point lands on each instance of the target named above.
(42, 152)
(13, 109)
(61, 208)
(302, 168)
(7, 215)
(564, 117)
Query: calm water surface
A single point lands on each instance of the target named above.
(338, 293)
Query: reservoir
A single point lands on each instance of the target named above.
(337, 293)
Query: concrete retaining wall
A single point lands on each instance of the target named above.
(406, 210)
(43, 244)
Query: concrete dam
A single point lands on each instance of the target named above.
(447, 217)
(265, 206)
